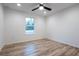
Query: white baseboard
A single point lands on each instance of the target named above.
(68, 43)
(22, 41)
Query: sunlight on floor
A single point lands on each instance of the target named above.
(30, 49)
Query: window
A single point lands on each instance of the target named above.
(29, 25)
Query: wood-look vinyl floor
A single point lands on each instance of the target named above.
(43, 47)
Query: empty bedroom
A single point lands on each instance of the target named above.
(39, 29)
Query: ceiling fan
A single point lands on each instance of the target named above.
(42, 6)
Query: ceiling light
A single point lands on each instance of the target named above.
(41, 7)
(18, 4)
(44, 12)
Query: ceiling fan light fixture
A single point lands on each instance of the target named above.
(41, 8)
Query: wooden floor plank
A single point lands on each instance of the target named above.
(42, 47)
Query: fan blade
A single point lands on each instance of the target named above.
(47, 8)
(35, 8)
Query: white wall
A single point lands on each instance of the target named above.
(64, 26)
(1, 26)
(14, 26)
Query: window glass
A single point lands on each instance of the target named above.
(29, 25)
